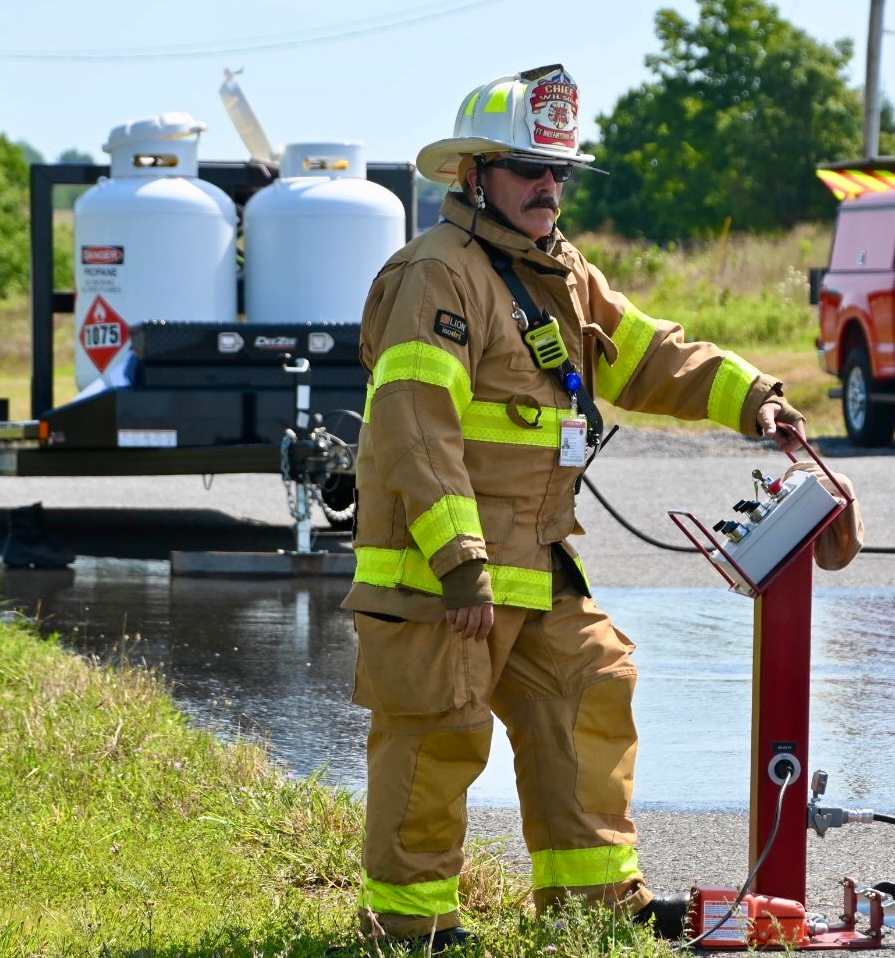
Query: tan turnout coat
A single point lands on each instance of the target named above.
(444, 311)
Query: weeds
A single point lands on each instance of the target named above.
(126, 832)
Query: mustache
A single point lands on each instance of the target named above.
(541, 201)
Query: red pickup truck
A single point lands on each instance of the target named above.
(856, 296)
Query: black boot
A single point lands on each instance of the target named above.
(28, 546)
(666, 916)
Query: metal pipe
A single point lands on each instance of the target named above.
(872, 106)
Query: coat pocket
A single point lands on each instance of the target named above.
(410, 668)
(498, 517)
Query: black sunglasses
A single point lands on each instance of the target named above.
(534, 171)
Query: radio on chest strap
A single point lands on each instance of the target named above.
(540, 332)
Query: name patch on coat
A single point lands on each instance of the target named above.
(451, 327)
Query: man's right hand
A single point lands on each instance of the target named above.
(472, 621)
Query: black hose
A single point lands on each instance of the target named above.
(877, 550)
(888, 819)
(632, 529)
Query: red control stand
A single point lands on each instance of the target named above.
(773, 912)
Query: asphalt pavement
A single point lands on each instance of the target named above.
(641, 476)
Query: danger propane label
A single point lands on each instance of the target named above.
(101, 270)
(103, 334)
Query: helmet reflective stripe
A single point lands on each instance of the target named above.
(497, 102)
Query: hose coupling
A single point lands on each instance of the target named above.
(823, 817)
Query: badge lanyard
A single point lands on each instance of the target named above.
(540, 332)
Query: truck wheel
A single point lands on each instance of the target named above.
(868, 423)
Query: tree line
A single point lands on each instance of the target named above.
(739, 109)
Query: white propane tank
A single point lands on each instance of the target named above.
(152, 242)
(316, 238)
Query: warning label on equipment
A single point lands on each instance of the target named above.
(735, 927)
(104, 333)
(101, 270)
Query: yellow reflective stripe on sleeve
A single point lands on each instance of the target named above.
(634, 334)
(489, 422)
(730, 389)
(391, 567)
(511, 585)
(421, 362)
(423, 898)
(450, 517)
(579, 867)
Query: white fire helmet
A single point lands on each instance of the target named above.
(534, 113)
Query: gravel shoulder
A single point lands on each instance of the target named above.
(680, 849)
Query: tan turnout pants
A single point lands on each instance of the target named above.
(562, 682)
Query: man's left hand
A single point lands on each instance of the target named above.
(768, 416)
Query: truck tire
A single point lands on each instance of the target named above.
(868, 423)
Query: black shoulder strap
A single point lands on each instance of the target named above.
(503, 264)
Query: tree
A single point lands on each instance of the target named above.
(741, 109)
(74, 155)
(64, 196)
(32, 154)
(14, 256)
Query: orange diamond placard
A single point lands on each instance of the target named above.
(104, 333)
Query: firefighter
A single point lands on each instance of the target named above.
(468, 599)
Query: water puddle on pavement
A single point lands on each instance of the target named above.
(276, 657)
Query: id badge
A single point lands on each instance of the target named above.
(573, 442)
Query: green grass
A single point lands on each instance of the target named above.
(745, 293)
(126, 831)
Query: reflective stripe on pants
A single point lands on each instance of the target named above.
(562, 682)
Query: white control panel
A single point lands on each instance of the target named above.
(769, 529)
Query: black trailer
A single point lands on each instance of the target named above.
(193, 407)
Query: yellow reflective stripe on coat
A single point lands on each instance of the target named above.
(511, 585)
(526, 588)
(580, 566)
(730, 390)
(423, 898)
(450, 517)
(421, 363)
(634, 334)
(489, 422)
(577, 867)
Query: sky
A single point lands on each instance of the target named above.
(72, 70)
